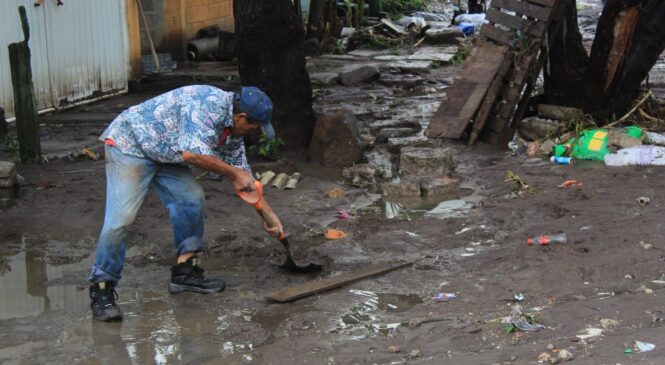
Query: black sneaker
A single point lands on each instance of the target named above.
(188, 276)
(103, 297)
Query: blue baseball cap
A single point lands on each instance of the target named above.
(258, 106)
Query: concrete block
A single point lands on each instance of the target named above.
(386, 133)
(443, 35)
(361, 175)
(376, 127)
(396, 144)
(402, 189)
(7, 169)
(438, 186)
(534, 128)
(426, 161)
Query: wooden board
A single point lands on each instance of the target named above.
(465, 96)
(548, 3)
(535, 28)
(497, 34)
(313, 287)
(522, 7)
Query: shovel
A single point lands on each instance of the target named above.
(256, 200)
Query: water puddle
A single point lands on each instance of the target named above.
(364, 319)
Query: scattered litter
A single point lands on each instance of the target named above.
(465, 229)
(646, 246)
(546, 240)
(561, 160)
(569, 183)
(661, 282)
(585, 228)
(640, 155)
(394, 349)
(335, 234)
(335, 193)
(445, 297)
(91, 155)
(292, 181)
(609, 323)
(519, 297)
(643, 200)
(520, 186)
(344, 214)
(476, 19)
(467, 254)
(644, 346)
(590, 333)
(280, 181)
(517, 320)
(411, 234)
(266, 177)
(628, 351)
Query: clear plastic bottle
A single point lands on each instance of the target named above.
(640, 155)
(546, 240)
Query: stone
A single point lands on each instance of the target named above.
(437, 54)
(544, 358)
(415, 353)
(609, 323)
(443, 35)
(336, 140)
(534, 128)
(376, 127)
(394, 349)
(438, 186)
(565, 355)
(426, 161)
(559, 112)
(550, 347)
(323, 78)
(380, 159)
(360, 75)
(7, 169)
(422, 90)
(361, 175)
(402, 189)
(405, 81)
(396, 144)
(416, 67)
(386, 133)
(617, 138)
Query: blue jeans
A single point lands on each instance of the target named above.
(127, 182)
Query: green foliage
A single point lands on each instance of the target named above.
(398, 7)
(461, 54)
(268, 148)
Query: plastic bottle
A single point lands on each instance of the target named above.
(640, 155)
(546, 240)
(561, 160)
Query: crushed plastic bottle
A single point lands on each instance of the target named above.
(546, 240)
(640, 155)
(561, 160)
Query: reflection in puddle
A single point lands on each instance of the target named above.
(364, 319)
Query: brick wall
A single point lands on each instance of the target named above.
(202, 13)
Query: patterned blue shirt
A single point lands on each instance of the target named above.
(191, 118)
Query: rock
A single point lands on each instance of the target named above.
(426, 161)
(544, 358)
(405, 81)
(360, 75)
(384, 134)
(376, 127)
(609, 323)
(394, 349)
(472, 329)
(565, 355)
(361, 175)
(436, 54)
(402, 189)
(323, 78)
(443, 35)
(534, 128)
(336, 140)
(550, 347)
(559, 112)
(438, 186)
(396, 144)
(422, 90)
(646, 246)
(546, 148)
(617, 138)
(416, 67)
(7, 169)
(379, 159)
(415, 353)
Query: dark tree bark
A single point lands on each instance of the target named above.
(630, 37)
(564, 72)
(270, 56)
(316, 25)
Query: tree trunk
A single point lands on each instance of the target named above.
(270, 56)
(567, 63)
(316, 26)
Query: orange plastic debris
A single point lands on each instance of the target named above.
(569, 183)
(335, 234)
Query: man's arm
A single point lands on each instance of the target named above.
(241, 179)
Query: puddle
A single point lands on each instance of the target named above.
(32, 282)
(365, 318)
(453, 205)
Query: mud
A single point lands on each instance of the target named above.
(471, 242)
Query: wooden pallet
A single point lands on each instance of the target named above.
(502, 67)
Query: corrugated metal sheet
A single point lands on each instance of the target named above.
(79, 50)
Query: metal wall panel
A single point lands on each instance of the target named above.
(87, 49)
(79, 50)
(11, 32)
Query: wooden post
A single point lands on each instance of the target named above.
(25, 107)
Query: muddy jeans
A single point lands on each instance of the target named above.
(127, 181)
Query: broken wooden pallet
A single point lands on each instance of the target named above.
(496, 79)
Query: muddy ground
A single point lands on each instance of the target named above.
(472, 243)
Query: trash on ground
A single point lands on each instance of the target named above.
(280, 181)
(546, 240)
(517, 320)
(640, 155)
(643, 200)
(644, 346)
(335, 193)
(518, 297)
(592, 144)
(335, 234)
(292, 181)
(91, 155)
(590, 333)
(561, 160)
(344, 214)
(628, 351)
(654, 138)
(569, 183)
(520, 186)
(445, 297)
(476, 19)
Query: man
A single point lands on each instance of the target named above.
(149, 145)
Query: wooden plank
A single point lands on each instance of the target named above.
(522, 7)
(548, 3)
(464, 97)
(313, 287)
(496, 34)
(535, 28)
